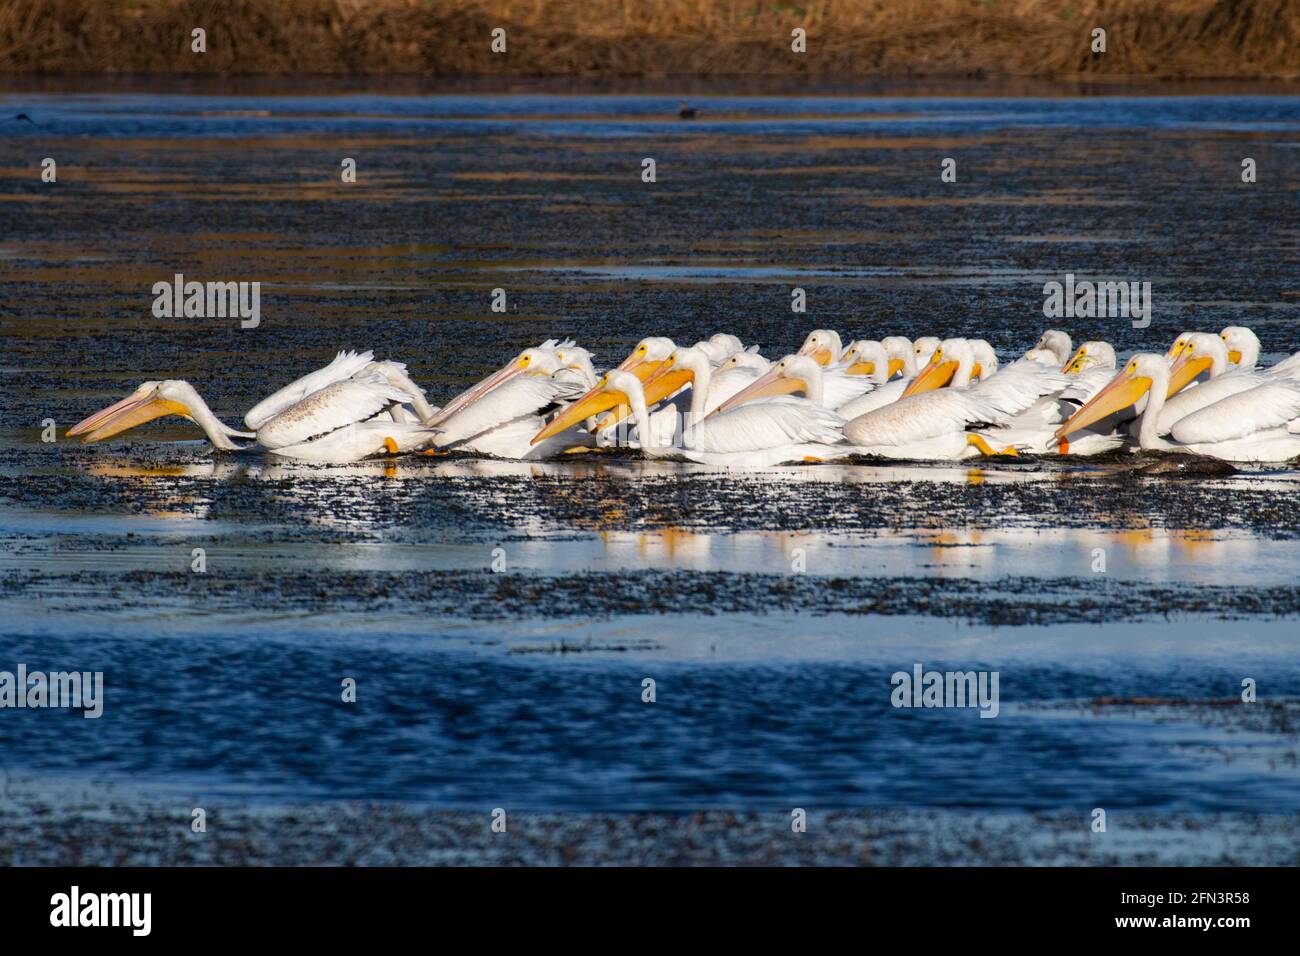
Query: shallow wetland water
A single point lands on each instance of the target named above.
(770, 608)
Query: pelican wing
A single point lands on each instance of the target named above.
(920, 416)
(1287, 368)
(840, 388)
(1237, 416)
(879, 397)
(762, 425)
(941, 412)
(344, 366)
(1191, 400)
(332, 407)
(526, 395)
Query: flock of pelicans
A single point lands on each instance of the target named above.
(722, 404)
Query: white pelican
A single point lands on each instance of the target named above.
(709, 387)
(1194, 354)
(923, 348)
(341, 413)
(720, 347)
(1244, 348)
(748, 359)
(931, 422)
(689, 387)
(823, 346)
(1034, 430)
(499, 415)
(1099, 354)
(1248, 426)
(1058, 343)
(646, 358)
(900, 347)
(767, 433)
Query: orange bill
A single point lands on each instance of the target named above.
(771, 383)
(1124, 389)
(598, 400)
(137, 413)
(1186, 367)
(936, 374)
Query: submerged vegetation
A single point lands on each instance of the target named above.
(1144, 38)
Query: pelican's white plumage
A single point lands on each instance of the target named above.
(344, 366)
(933, 424)
(1247, 426)
(343, 420)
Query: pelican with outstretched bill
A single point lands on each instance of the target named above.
(1246, 426)
(351, 409)
(752, 436)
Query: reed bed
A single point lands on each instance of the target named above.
(885, 38)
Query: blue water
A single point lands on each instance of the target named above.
(247, 713)
(130, 115)
(752, 710)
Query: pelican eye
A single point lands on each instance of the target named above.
(524, 360)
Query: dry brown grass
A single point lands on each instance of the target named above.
(1145, 38)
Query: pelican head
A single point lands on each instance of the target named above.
(151, 400)
(822, 345)
(1096, 351)
(579, 359)
(747, 359)
(869, 357)
(1056, 342)
(899, 347)
(682, 366)
(647, 356)
(953, 360)
(1243, 345)
(794, 373)
(1139, 375)
(720, 347)
(612, 389)
(1200, 352)
(1177, 346)
(923, 348)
